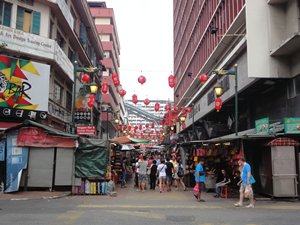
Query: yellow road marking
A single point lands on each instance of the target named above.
(138, 214)
(70, 217)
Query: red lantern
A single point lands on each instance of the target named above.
(156, 106)
(85, 78)
(129, 127)
(189, 109)
(147, 125)
(161, 122)
(183, 111)
(104, 88)
(90, 103)
(176, 108)
(218, 104)
(146, 101)
(92, 97)
(115, 76)
(134, 99)
(142, 79)
(116, 83)
(122, 92)
(167, 107)
(152, 125)
(171, 80)
(203, 78)
(140, 127)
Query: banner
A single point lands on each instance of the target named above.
(262, 126)
(16, 161)
(2, 150)
(292, 125)
(24, 86)
(36, 137)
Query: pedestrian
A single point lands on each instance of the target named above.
(143, 173)
(199, 180)
(225, 180)
(124, 172)
(169, 173)
(161, 171)
(153, 175)
(246, 185)
(179, 174)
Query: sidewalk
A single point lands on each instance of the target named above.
(29, 195)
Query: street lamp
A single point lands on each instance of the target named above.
(93, 87)
(182, 118)
(218, 91)
(232, 72)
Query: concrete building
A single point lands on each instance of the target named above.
(262, 38)
(51, 34)
(107, 30)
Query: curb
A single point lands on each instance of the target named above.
(38, 198)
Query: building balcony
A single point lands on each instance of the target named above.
(37, 47)
(274, 2)
(288, 47)
(65, 11)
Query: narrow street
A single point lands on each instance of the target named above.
(132, 207)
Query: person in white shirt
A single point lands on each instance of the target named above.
(161, 171)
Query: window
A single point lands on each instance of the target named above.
(69, 101)
(60, 40)
(5, 13)
(71, 55)
(293, 87)
(28, 20)
(51, 29)
(58, 93)
(297, 85)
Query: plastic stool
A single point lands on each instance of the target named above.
(225, 192)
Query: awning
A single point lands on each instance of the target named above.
(7, 125)
(283, 141)
(129, 140)
(127, 148)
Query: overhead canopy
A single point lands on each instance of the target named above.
(127, 148)
(129, 140)
(283, 141)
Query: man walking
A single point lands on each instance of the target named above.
(246, 185)
(200, 180)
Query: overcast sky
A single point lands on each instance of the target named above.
(145, 29)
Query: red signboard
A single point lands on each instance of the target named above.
(90, 130)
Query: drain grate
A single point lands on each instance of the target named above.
(181, 218)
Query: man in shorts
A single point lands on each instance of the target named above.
(200, 180)
(169, 172)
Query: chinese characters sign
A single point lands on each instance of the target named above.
(24, 88)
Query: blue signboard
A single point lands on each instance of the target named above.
(16, 161)
(2, 150)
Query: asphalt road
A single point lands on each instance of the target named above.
(135, 208)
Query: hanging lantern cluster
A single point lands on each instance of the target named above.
(218, 104)
(171, 80)
(142, 79)
(134, 99)
(167, 107)
(104, 87)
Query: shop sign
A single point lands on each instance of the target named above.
(262, 126)
(22, 114)
(24, 86)
(36, 137)
(83, 117)
(292, 125)
(87, 130)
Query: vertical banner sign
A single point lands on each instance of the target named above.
(262, 126)
(2, 150)
(16, 161)
(292, 125)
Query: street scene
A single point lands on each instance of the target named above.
(150, 112)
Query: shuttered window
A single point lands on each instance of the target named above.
(28, 21)
(5, 13)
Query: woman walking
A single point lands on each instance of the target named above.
(161, 171)
(179, 174)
